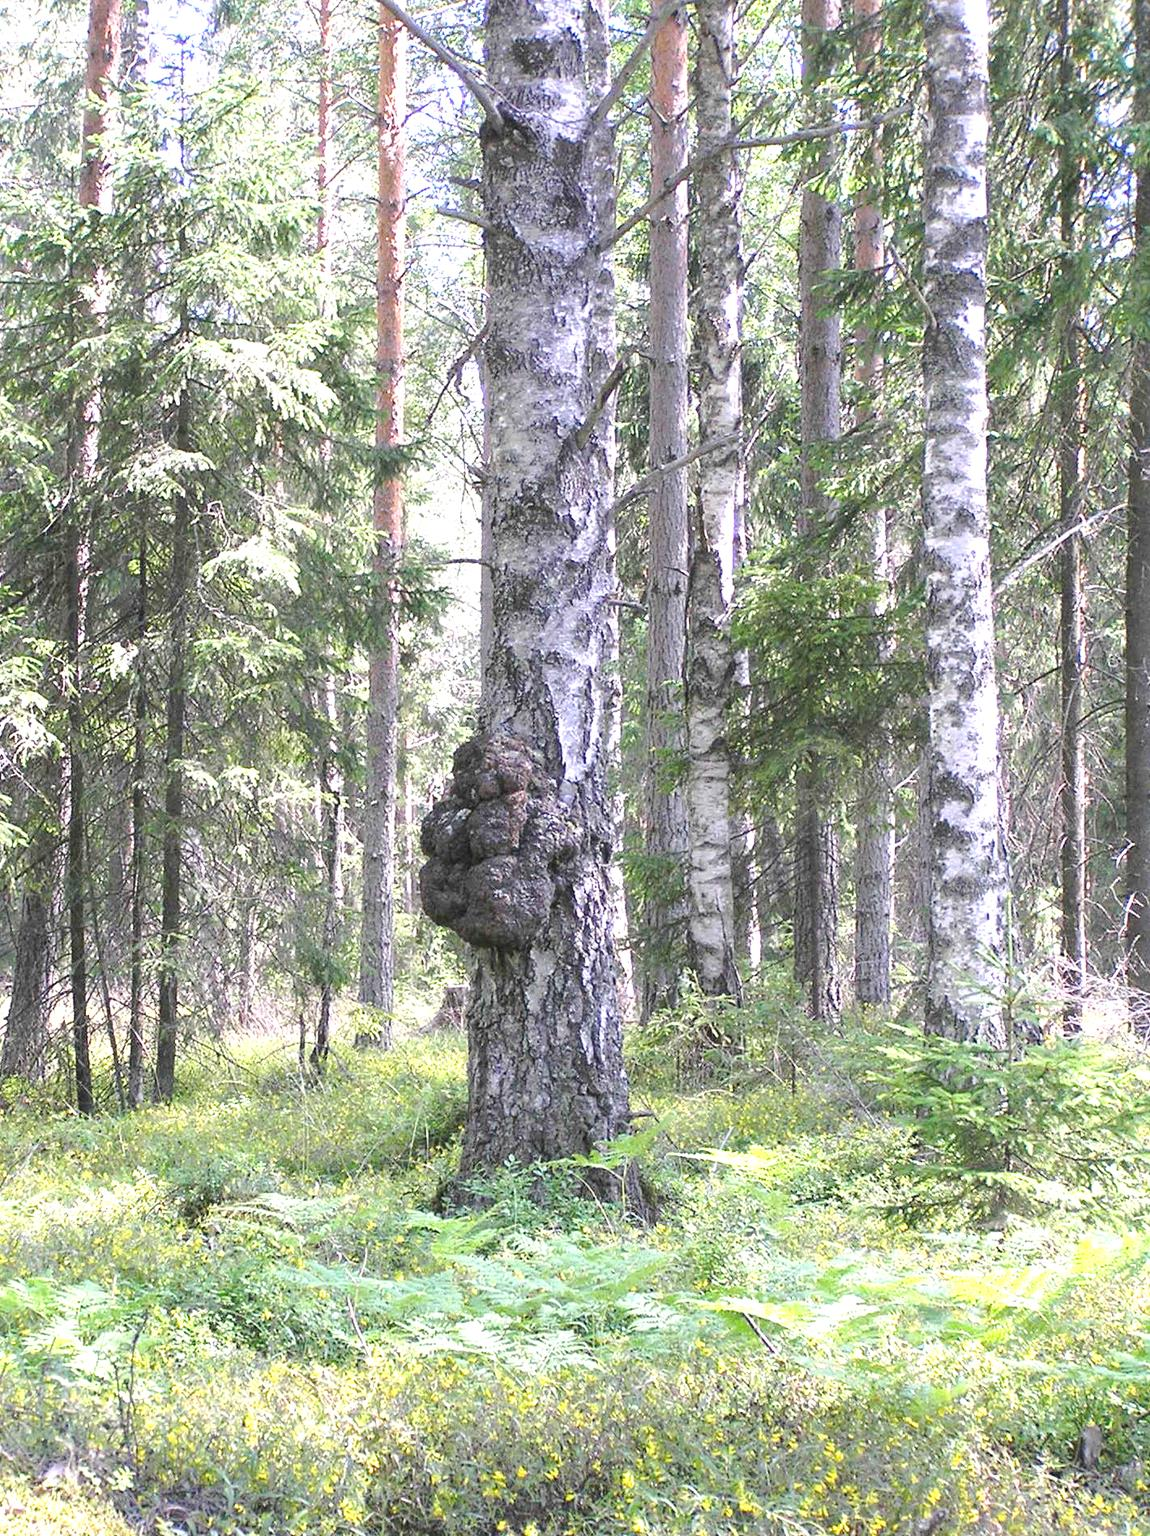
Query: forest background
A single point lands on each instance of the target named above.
(777, 1259)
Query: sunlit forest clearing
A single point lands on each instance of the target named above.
(246, 1313)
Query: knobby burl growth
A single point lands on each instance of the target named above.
(495, 845)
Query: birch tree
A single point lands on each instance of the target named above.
(711, 664)
(519, 847)
(964, 980)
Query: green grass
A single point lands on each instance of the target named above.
(241, 1314)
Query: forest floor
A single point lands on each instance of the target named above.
(242, 1314)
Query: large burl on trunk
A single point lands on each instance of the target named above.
(516, 868)
(496, 845)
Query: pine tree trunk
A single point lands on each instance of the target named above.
(665, 898)
(1072, 628)
(820, 376)
(710, 672)
(874, 860)
(968, 884)
(1138, 575)
(377, 957)
(179, 597)
(519, 850)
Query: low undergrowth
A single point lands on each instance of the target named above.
(242, 1315)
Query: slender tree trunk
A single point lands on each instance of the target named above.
(820, 374)
(968, 882)
(174, 732)
(816, 893)
(94, 195)
(330, 775)
(874, 862)
(377, 961)
(137, 50)
(520, 849)
(139, 872)
(331, 841)
(1072, 628)
(1138, 574)
(603, 354)
(665, 905)
(710, 672)
(746, 853)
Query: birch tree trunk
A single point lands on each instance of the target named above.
(377, 960)
(606, 379)
(820, 376)
(665, 908)
(1072, 626)
(874, 862)
(710, 671)
(520, 847)
(968, 884)
(1138, 575)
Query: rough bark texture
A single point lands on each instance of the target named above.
(1138, 577)
(545, 1070)
(820, 376)
(665, 899)
(710, 670)
(874, 860)
(964, 978)
(377, 960)
(1072, 626)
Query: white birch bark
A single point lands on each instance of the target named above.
(520, 848)
(964, 979)
(710, 670)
